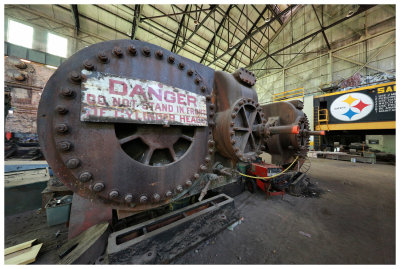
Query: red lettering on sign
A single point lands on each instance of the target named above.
(180, 99)
(182, 118)
(102, 112)
(113, 90)
(138, 90)
(191, 99)
(116, 102)
(172, 100)
(101, 100)
(158, 95)
(91, 99)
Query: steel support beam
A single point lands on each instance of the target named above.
(173, 14)
(278, 18)
(179, 29)
(251, 35)
(74, 9)
(135, 20)
(322, 27)
(363, 65)
(212, 10)
(216, 32)
(247, 34)
(362, 9)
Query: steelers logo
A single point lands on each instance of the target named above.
(352, 107)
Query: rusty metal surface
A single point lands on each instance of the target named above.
(124, 166)
(110, 98)
(285, 146)
(95, 135)
(238, 113)
(85, 214)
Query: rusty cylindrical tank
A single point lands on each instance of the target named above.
(102, 132)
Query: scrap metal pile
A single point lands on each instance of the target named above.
(134, 126)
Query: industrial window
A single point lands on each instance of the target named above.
(20, 34)
(57, 45)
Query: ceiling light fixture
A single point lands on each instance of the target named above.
(352, 10)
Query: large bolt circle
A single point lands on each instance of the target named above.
(141, 158)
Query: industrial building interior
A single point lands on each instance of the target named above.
(199, 134)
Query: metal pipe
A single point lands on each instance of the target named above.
(285, 129)
(316, 132)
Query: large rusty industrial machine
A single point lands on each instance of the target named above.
(130, 126)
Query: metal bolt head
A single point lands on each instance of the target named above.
(67, 92)
(188, 183)
(232, 124)
(20, 77)
(75, 76)
(211, 143)
(236, 108)
(241, 103)
(98, 187)
(179, 188)
(207, 159)
(88, 65)
(146, 51)
(196, 176)
(117, 51)
(235, 149)
(249, 99)
(113, 194)
(72, 163)
(132, 50)
(156, 197)
(232, 133)
(64, 146)
(203, 88)
(168, 194)
(85, 176)
(61, 109)
(159, 53)
(102, 57)
(128, 198)
(181, 66)
(233, 115)
(210, 151)
(257, 104)
(233, 141)
(197, 80)
(212, 106)
(203, 167)
(208, 97)
(143, 199)
(171, 59)
(190, 72)
(61, 128)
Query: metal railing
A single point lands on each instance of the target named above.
(288, 95)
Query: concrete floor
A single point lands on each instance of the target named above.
(352, 222)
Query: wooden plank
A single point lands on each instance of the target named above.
(24, 256)
(80, 244)
(18, 247)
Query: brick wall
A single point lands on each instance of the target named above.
(25, 83)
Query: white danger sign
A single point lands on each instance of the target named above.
(109, 98)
